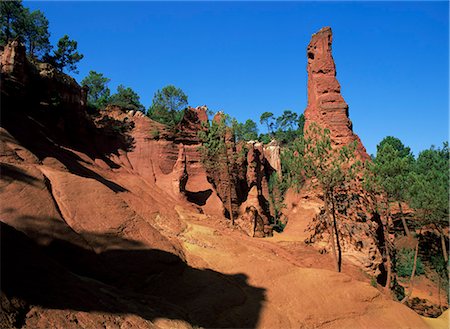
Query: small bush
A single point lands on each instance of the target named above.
(154, 134)
(405, 261)
(373, 282)
(279, 226)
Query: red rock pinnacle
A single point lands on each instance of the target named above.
(326, 106)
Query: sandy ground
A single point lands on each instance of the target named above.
(297, 294)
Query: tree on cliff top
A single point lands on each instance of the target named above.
(34, 30)
(313, 157)
(31, 28)
(168, 105)
(65, 56)
(267, 119)
(99, 93)
(244, 131)
(10, 20)
(126, 98)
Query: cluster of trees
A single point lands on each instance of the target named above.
(246, 131)
(31, 28)
(421, 183)
(285, 128)
(99, 94)
(168, 106)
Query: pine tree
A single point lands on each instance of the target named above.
(66, 55)
(99, 93)
(168, 105)
(126, 98)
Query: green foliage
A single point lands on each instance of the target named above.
(279, 226)
(392, 166)
(126, 98)
(373, 282)
(168, 105)
(31, 28)
(213, 149)
(403, 151)
(285, 128)
(428, 190)
(267, 119)
(11, 20)
(287, 120)
(277, 189)
(331, 169)
(34, 30)
(405, 263)
(244, 131)
(155, 134)
(99, 93)
(265, 138)
(66, 55)
(300, 125)
(441, 268)
(314, 157)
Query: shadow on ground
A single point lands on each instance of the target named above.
(124, 277)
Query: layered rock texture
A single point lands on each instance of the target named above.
(326, 106)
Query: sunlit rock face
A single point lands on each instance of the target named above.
(326, 106)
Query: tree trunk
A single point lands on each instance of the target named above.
(330, 227)
(439, 291)
(387, 287)
(411, 280)
(443, 244)
(230, 185)
(408, 234)
(339, 251)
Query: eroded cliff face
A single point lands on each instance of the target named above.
(326, 106)
(95, 229)
(91, 226)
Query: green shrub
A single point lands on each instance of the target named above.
(405, 261)
(279, 226)
(155, 134)
(373, 282)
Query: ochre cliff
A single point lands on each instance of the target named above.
(110, 220)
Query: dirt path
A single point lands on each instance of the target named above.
(295, 296)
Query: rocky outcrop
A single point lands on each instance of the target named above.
(272, 153)
(361, 231)
(258, 173)
(192, 122)
(326, 106)
(253, 216)
(14, 61)
(50, 86)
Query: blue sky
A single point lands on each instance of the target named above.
(246, 58)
